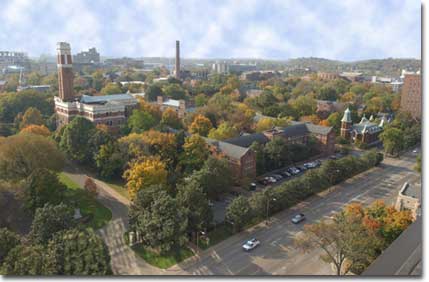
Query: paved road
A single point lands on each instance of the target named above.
(276, 255)
(123, 259)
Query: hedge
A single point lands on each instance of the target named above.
(294, 191)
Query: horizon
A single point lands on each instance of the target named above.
(226, 29)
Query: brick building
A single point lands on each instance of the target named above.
(365, 132)
(243, 159)
(111, 110)
(411, 95)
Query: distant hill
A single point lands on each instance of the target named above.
(388, 67)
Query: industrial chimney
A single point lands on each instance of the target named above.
(177, 69)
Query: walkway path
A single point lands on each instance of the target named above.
(123, 259)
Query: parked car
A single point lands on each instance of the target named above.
(235, 193)
(333, 157)
(294, 170)
(302, 168)
(272, 179)
(263, 182)
(298, 218)
(277, 177)
(252, 186)
(251, 244)
(286, 174)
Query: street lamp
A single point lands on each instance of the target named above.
(268, 207)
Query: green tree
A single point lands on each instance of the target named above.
(141, 121)
(418, 166)
(8, 241)
(43, 187)
(238, 213)
(174, 91)
(80, 252)
(111, 88)
(162, 223)
(193, 201)
(48, 220)
(75, 139)
(277, 153)
(34, 78)
(22, 154)
(152, 92)
(109, 160)
(328, 93)
(215, 177)
(29, 260)
(393, 140)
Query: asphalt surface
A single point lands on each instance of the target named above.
(276, 254)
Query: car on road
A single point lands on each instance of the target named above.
(251, 244)
(271, 179)
(415, 151)
(298, 218)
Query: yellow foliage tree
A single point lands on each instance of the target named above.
(143, 174)
(31, 116)
(36, 129)
(264, 124)
(201, 125)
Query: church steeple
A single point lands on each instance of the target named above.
(346, 124)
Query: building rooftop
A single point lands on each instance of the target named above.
(230, 150)
(247, 140)
(105, 98)
(171, 103)
(412, 190)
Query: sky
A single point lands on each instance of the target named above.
(265, 29)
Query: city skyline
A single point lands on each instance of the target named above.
(277, 30)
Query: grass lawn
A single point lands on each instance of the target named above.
(99, 214)
(118, 186)
(162, 261)
(220, 233)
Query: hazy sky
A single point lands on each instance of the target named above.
(272, 29)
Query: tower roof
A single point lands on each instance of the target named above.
(347, 116)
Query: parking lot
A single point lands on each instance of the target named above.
(219, 207)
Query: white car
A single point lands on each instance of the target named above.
(415, 151)
(298, 218)
(251, 244)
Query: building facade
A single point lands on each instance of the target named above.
(365, 132)
(409, 198)
(87, 57)
(110, 110)
(411, 95)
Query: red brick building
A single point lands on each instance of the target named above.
(411, 95)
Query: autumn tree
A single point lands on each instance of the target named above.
(91, 187)
(195, 153)
(109, 161)
(145, 173)
(22, 154)
(264, 124)
(111, 88)
(224, 131)
(171, 118)
(201, 125)
(31, 116)
(36, 129)
(140, 121)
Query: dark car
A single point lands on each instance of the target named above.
(286, 174)
(302, 168)
(263, 182)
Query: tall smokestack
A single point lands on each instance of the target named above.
(177, 69)
(65, 72)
